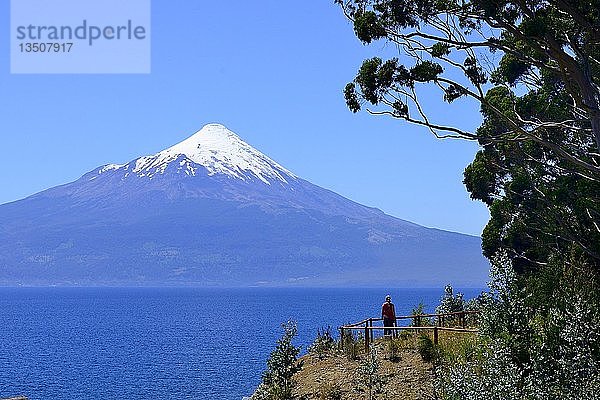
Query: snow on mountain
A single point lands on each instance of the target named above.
(215, 148)
(214, 211)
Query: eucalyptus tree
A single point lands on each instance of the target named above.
(533, 69)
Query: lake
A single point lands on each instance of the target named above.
(165, 343)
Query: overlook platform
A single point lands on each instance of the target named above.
(454, 322)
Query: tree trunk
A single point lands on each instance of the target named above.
(595, 120)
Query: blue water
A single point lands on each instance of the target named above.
(148, 343)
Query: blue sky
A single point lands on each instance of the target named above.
(271, 71)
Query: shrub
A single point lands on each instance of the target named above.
(427, 349)
(404, 335)
(368, 374)
(351, 344)
(323, 343)
(420, 321)
(450, 303)
(458, 347)
(282, 364)
(476, 304)
(394, 346)
(533, 349)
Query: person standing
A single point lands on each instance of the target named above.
(388, 313)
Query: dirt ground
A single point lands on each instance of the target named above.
(337, 376)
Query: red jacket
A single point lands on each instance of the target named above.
(388, 311)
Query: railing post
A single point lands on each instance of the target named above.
(341, 338)
(435, 335)
(367, 337)
(371, 333)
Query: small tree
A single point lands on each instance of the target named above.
(323, 343)
(419, 311)
(369, 373)
(550, 351)
(277, 382)
(450, 303)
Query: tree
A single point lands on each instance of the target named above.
(534, 69)
(445, 39)
(282, 365)
(547, 352)
(368, 373)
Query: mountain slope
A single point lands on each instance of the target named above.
(212, 210)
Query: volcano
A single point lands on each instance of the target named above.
(214, 211)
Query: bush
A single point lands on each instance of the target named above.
(476, 304)
(458, 347)
(450, 303)
(323, 343)
(404, 335)
(427, 349)
(533, 347)
(394, 346)
(368, 374)
(282, 364)
(351, 345)
(420, 321)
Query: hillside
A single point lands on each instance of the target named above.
(338, 377)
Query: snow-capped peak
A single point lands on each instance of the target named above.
(217, 149)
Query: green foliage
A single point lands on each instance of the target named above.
(453, 92)
(368, 374)
(510, 70)
(419, 309)
(405, 335)
(426, 71)
(368, 79)
(282, 365)
(538, 171)
(529, 350)
(481, 180)
(394, 347)
(427, 349)
(351, 97)
(367, 27)
(539, 166)
(454, 348)
(400, 108)
(419, 321)
(440, 49)
(473, 71)
(450, 303)
(351, 344)
(541, 205)
(323, 343)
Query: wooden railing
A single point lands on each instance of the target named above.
(366, 325)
